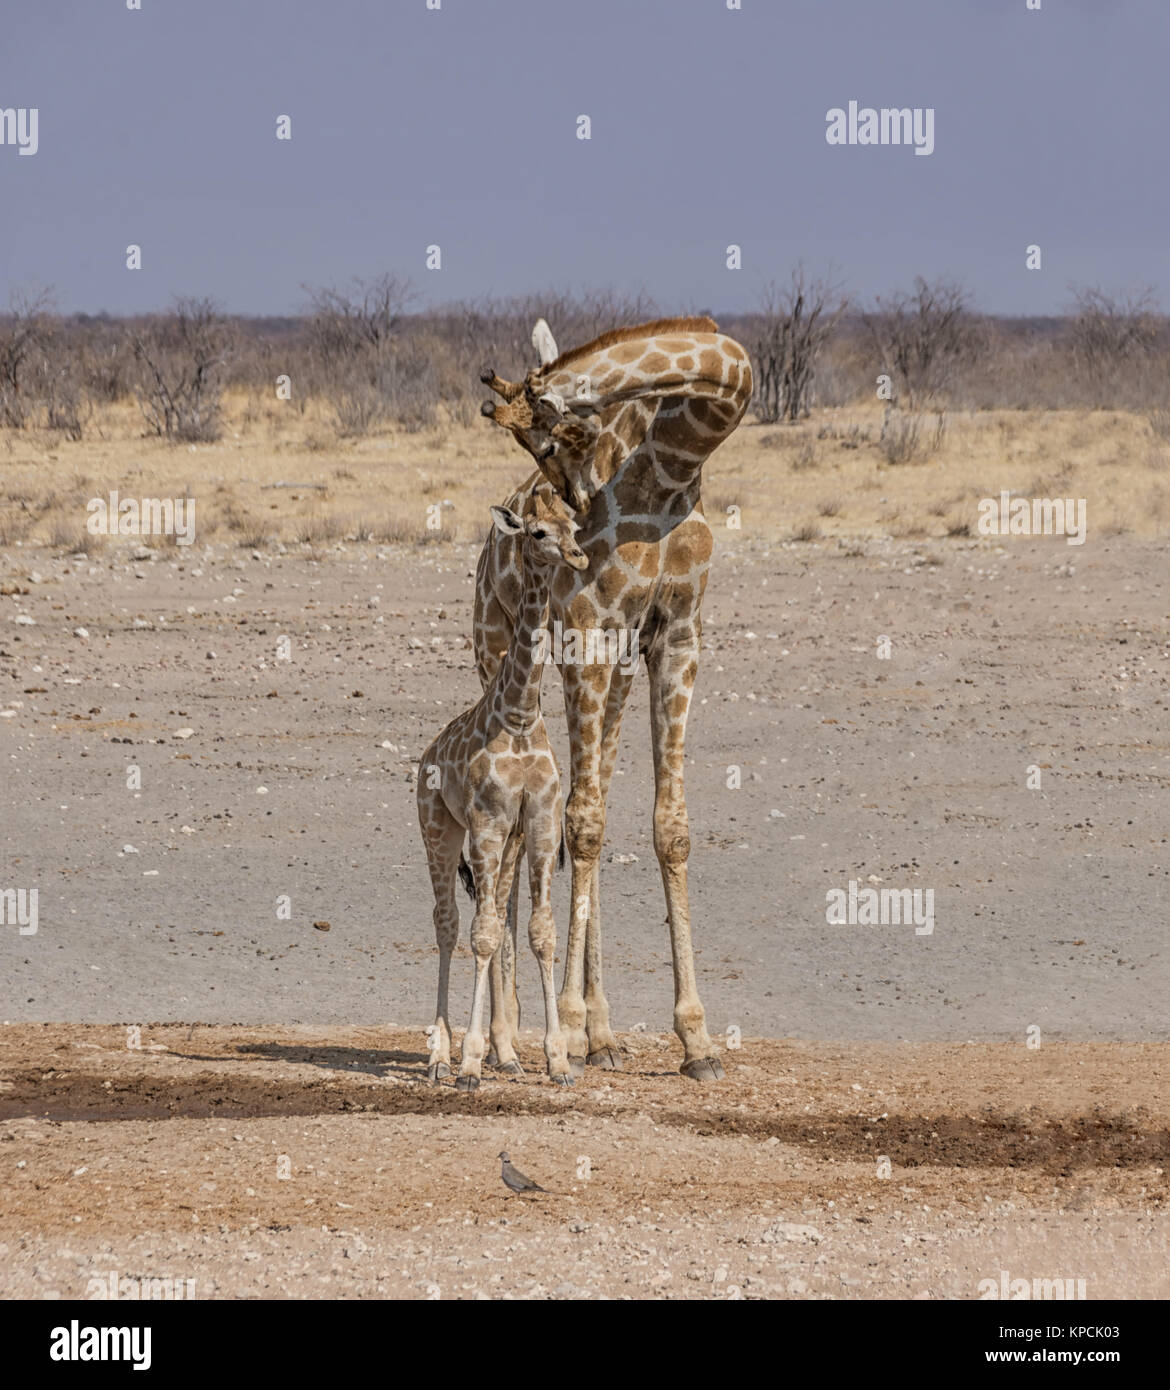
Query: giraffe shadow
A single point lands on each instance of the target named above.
(373, 1062)
(370, 1061)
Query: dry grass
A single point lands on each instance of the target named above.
(806, 457)
(1160, 423)
(394, 485)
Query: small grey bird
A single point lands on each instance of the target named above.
(513, 1178)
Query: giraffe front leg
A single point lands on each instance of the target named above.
(439, 1033)
(604, 1051)
(585, 694)
(501, 1052)
(504, 1024)
(543, 837)
(673, 665)
(542, 936)
(511, 961)
(571, 1005)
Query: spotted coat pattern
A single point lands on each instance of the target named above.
(621, 429)
(490, 778)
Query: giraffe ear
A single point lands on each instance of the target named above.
(507, 521)
(554, 402)
(544, 343)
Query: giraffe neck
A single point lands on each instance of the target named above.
(678, 396)
(518, 680)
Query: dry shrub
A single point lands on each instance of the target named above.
(25, 334)
(248, 529)
(791, 326)
(403, 530)
(924, 338)
(906, 438)
(806, 457)
(321, 527)
(318, 440)
(1159, 421)
(14, 527)
(363, 360)
(181, 360)
(851, 436)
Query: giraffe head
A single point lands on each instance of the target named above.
(546, 531)
(561, 439)
(562, 436)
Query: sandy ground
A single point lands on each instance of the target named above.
(218, 835)
(263, 779)
(814, 1171)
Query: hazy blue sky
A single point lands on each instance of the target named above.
(458, 127)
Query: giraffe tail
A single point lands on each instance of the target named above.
(466, 877)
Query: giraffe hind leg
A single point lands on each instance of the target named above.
(603, 1049)
(443, 839)
(486, 928)
(672, 668)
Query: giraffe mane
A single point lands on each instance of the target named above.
(653, 329)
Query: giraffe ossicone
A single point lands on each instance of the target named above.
(544, 343)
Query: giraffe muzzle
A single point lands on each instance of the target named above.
(576, 497)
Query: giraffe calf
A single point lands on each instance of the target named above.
(491, 777)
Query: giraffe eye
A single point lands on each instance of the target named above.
(539, 534)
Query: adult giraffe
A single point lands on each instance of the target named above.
(621, 428)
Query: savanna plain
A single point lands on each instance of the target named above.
(198, 1085)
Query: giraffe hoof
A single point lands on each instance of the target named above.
(467, 1083)
(576, 1067)
(491, 1060)
(512, 1068)
(436, 1071)
(607, 1058)
(703, 1069)
(563, 1080)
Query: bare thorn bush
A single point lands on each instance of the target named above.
(181, 359)
(25, 333)
(923, 339)
(906, 438)
(791, 326)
